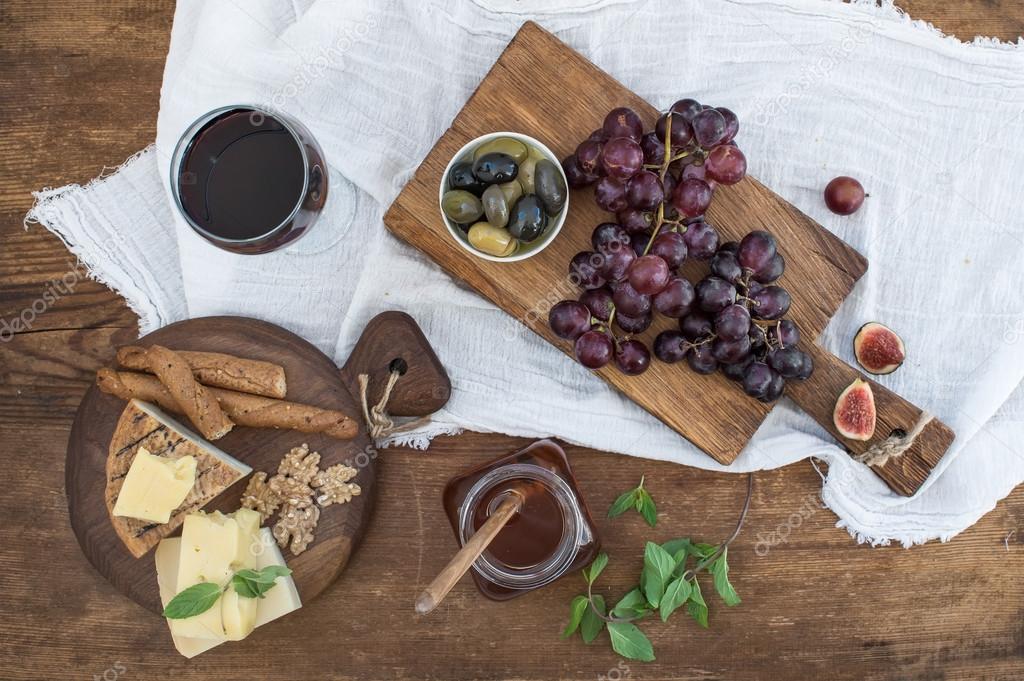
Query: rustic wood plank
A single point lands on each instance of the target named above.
(816, 606)
(538, 81)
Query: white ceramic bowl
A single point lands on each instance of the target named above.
(523, 250)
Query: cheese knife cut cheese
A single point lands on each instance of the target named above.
(143, 426)
(279, 601)
(155, 486)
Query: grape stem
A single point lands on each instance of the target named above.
(660, 220)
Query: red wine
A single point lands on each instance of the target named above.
(248, 180)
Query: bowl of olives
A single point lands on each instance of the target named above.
(503, 197)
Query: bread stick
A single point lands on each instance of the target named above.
(218, 370)
(194, 399)
(245, 410)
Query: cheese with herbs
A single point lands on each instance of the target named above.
(279, 601)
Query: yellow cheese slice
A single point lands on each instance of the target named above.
(279, 601)
(155, 486)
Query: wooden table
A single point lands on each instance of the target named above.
(80, 87)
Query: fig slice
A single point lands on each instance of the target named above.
(878, 349)
(854, 414)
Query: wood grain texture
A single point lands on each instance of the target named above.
(79, 89)
(312, 379)
(542, 88)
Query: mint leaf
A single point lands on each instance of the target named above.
(633, 604)
(630, 642)
(705, 550)
(596, 568)
(658, 567)
(696, 606)
(647, 508)
(676, 593)
(674, 546)
(255, 583)
(193, 601)
(625, 501)
(720, 572)
(267, 575)
(576, 609)
(591, 625)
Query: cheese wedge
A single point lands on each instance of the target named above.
(279, 601)
(155, 486)
(143, 426)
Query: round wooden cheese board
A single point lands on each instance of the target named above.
(390, 340)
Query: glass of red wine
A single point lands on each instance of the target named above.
(249, 180)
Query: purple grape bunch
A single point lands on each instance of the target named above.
(658, 184)
(737, 323)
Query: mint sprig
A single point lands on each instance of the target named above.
(666, 585)
(198, 598)
(639, 499)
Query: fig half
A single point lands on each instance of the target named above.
(878, 349)
(854, 414)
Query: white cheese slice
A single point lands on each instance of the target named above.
(155, 486)
(279, 601)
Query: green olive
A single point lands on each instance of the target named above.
(496, 208)
(512, 191)
(527, 177)
(461, 206)
(503, 145)
(492, 240)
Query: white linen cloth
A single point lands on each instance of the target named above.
(930, 125)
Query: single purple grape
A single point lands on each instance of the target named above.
(594, 349)
(757, 379)
(634, 324)
(622, 158)
(733, 323)
(692, 197)
(649, 274)
(635, 221)
(610, 195)
(623, 122)
(574, 175)
(732, 123)
(584, 270)
(696, 326)
(725, 164)
(609, 236)
(709, 128)
(629, 301)
(569, 319)
(588, 156)
(701, 360)
(599, 302)
(772, 271)
(681, 133)
(644, 191)
(688, 108)
(784, 333)
(670, 347)
(730, 351)
(715, 294)
(632, 357)
(670, 247)
(676, 299)
(756, 250)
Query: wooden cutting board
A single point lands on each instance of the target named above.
(312, 379)
(541, 87)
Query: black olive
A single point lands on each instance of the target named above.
(528, 219)
(461, 177)
(495, 167)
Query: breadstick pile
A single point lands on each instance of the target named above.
(217, 391)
